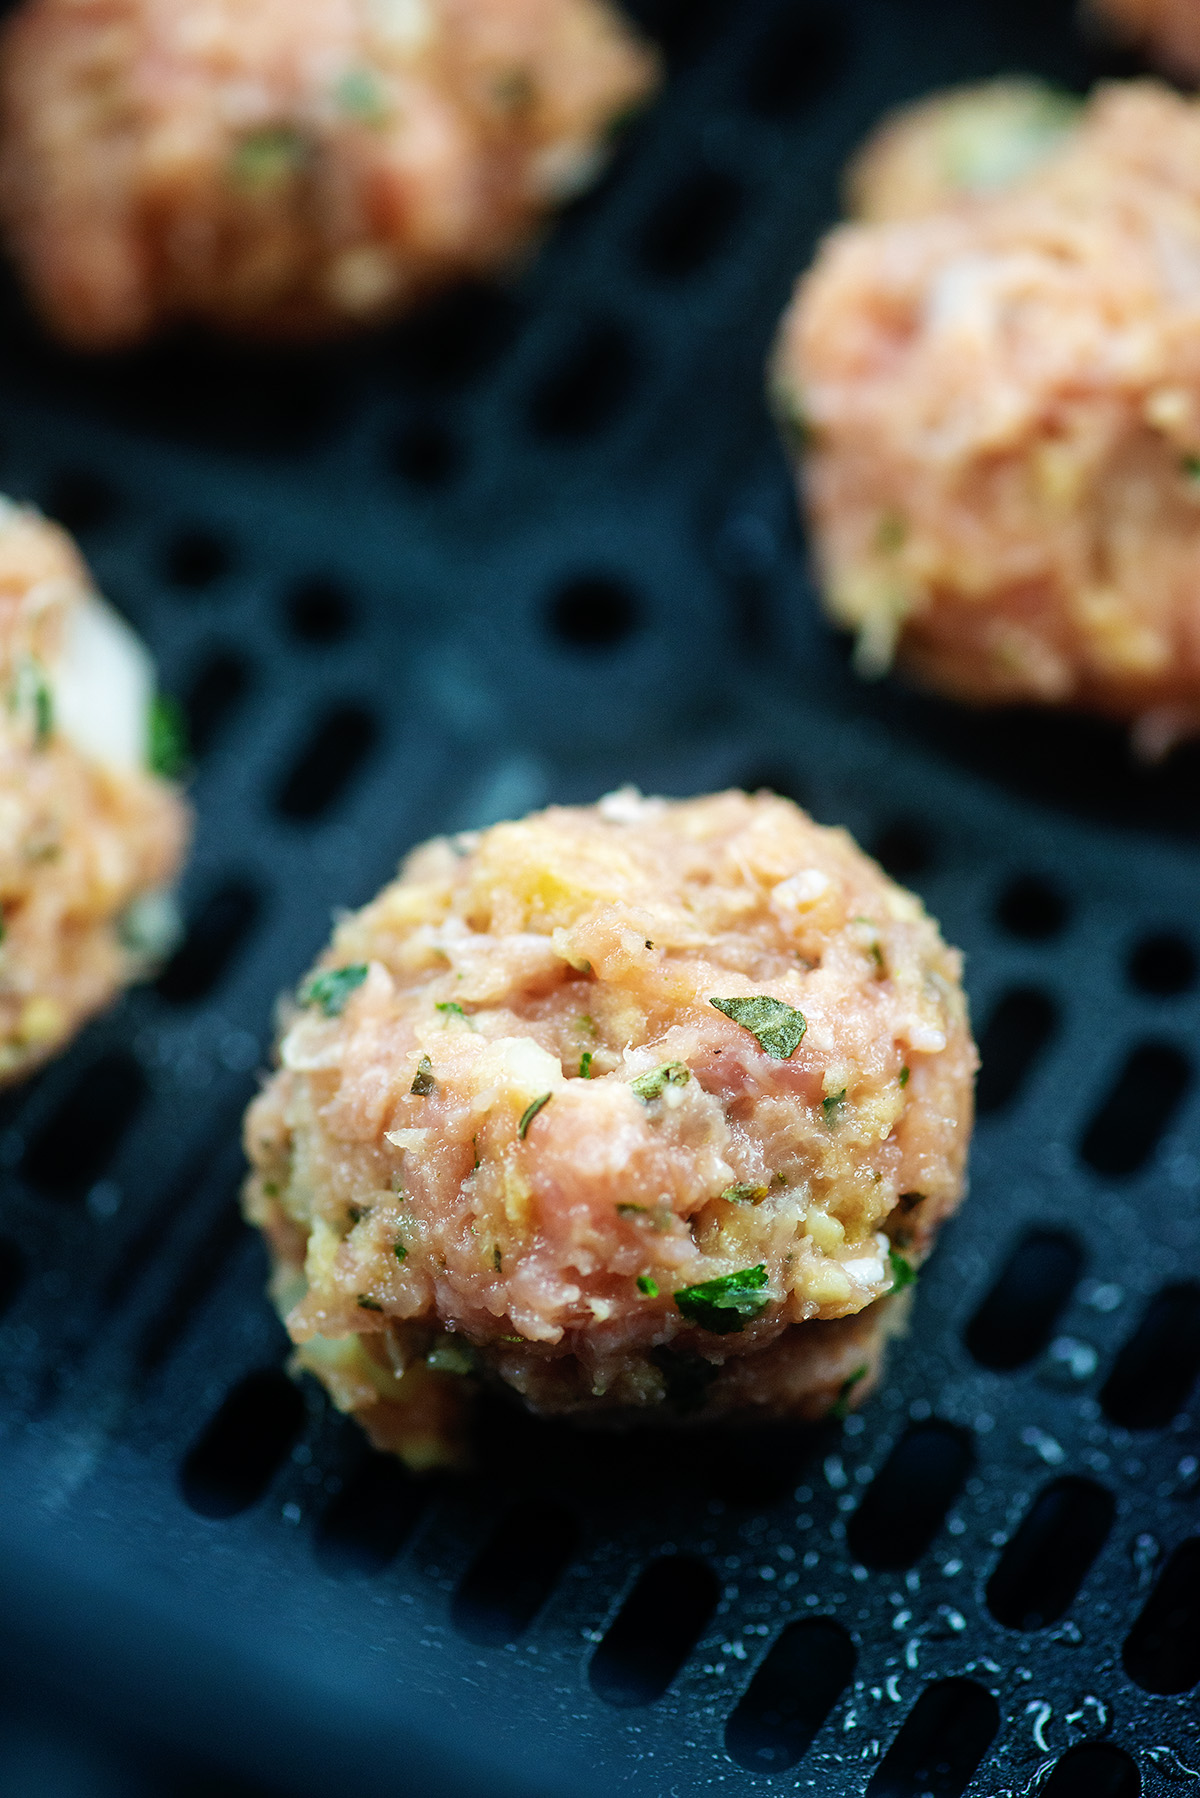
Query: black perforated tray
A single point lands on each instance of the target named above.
(534, 544)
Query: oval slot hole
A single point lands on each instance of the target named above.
(12, 1272)
(797, 60)
(513, 1575)
(905, 849)
(327, 763)
(589, 386)
(235, 1459)
(655, 1630)
(1047, 1560)
(1163, 965)
(1156, 1369)
(1021, 1025)
(1094, 1770)
(83, 1132)
(213, 695)
(1016, 1320)
(197, 558)
(366, 1526)
(908, 1498)
(943, 1739)
(692, 225)
(593, 612)
(213, 939)
(319, 611)
(1162, 1650)
(1130, 1119)
(790, 1696)
(1031, 908)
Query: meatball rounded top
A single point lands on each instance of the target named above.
(292, 166)
(614, 1078)
(1001, 411)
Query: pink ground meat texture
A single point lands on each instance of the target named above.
(1166, 31)
(1001, 409)
(85, 846)
(292, 166)
(526, 1127)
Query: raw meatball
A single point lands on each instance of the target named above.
(971, 140)
(89, 837)
(292, 166)
(637, 1110)
(1167, 31)
(1001, 407)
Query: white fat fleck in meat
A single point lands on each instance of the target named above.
(103, 686)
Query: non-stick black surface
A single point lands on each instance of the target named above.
(534, 544)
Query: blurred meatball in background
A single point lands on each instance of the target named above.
(90, 835)
(996, 410)
(292, 167)
(1166, 32)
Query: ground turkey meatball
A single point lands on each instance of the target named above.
(967, 141)
(89, 837)
(635, 1110)
(292, 166)
(1001, 408)
(1167, 31)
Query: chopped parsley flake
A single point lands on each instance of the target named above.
(331, 989)
(43, 713)
(745, 1192)
(399, 1251)
(779, 1028)
(585, 1065)
(651, 1086)
(497, 1258)
(832, 1107)
(1190, 466)
(423, 1080)
(168, 747)
(722, 1305)
(266, 158)
(586, 1025)
(366, 1304)
(361, 94)
(627, 1208)
(841, 1404)
(903, 1272)
(451, 1008)
(356, 1213)
(904, 1073)
(647, 1286)
(530, 1112)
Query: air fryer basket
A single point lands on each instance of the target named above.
(537, 543)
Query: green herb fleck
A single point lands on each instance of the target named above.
(423, 1080)
(1190, 466)
(627, 1208)
(497, 1258)
(585, 1065)
(475, 1151)
(722, 1305)
(841, 1405)
(832, 1107)
(903, 1272)
(904, 1072)
(649, 944)
(519, 1340)
(266, 158)
(891, 533)
(168, 749)
(361, 94)
(399, 1251)
(746, 1192)
(366, 1304)
(779, 1028)
(647, 1286)
(355, 1213)
(586, 1025)
(651, 1086)
(331, 989)
(451, 1008)
(43, 712)
(530, 1112)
